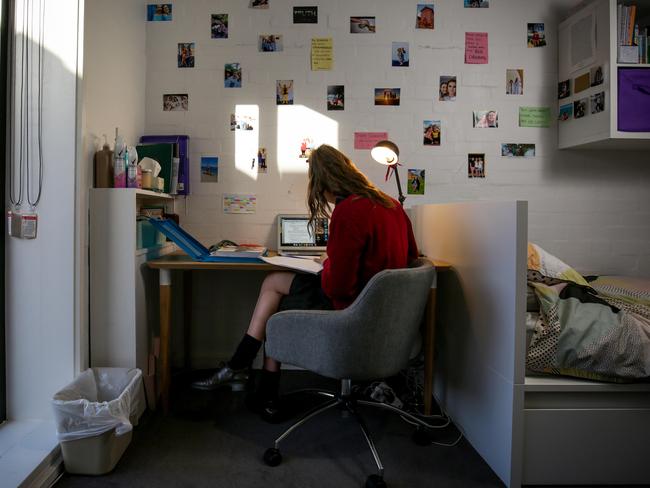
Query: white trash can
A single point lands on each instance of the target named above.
(95, 415)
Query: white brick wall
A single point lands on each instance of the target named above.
(590, 208)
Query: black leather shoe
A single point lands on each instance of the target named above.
(223, 376)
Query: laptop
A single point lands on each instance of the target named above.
(296, 238)
(191, 246)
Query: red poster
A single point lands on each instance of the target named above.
(476, 48)
(367, 140)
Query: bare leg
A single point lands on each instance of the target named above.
(275, 286)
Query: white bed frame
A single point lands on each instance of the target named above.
(530, 430)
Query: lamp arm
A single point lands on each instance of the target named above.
(401, 196)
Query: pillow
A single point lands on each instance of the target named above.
(548, 265)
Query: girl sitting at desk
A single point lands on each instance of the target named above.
(369, 232)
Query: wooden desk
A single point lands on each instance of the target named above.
(180, 261)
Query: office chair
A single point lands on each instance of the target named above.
(370, 339)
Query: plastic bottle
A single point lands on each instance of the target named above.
(119, 161)
(104, 166)
(132, 172)
(173, 187)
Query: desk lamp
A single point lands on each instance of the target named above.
(387, 153)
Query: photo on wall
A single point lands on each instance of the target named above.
(387, 96)
(415, 184)
(447, 90)
(514, 82)
(259, 4)
(305, 15)
(268, 43)
(186, 55)
(232, 75)
(431, 132)
(564, 89)
(219, 26)
(209, 169)
(284, 92)
(400, 54)
(596, 74)
(335, 97)
(362, 25)
(476, 165)
(476, 3)
(581, 83)
(484, 119)
(598, 103)
(566, 112)
(175, 102)
(306, 147)
(261, 161)
(580, 108)
(425, 16)
(536, 36)
(242, 122)
(159, 12)
(518, 150)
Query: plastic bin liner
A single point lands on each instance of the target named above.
(98, 400)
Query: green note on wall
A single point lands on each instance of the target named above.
(534, 117)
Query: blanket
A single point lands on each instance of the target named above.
(598, 329)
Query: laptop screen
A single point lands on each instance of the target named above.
(295, 234)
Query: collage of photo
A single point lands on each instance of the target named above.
(588, 103)
(400, 58)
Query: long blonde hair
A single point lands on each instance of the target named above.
(332, 171)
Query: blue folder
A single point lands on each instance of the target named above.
(191, 246)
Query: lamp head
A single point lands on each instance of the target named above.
(385, 152)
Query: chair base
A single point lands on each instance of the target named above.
(349, 403)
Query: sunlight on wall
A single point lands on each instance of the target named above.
(246, 124)
(300, 127)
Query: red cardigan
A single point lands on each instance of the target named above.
(365, 238)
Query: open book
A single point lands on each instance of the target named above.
(299, 264)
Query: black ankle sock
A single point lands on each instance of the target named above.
(245, 353)
(269, 385)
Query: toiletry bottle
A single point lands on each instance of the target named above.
(132, 172)
(104, 166)
(173, 186)
(119, 167)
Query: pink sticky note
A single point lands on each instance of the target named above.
(476, 48)
(367, 140)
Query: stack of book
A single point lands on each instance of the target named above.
(632, 39)
(241, 251)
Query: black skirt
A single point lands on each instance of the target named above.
(305, 294)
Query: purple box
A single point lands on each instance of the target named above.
(183, 143)
(633, 99)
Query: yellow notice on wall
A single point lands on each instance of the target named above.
(322, 54)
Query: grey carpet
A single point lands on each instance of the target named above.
(212, 440)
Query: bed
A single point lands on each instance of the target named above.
(531, 430)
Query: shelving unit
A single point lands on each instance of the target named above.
(123, 297)
(600, 130)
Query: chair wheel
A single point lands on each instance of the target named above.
(375, 481)
(272, 457)
(421, 437)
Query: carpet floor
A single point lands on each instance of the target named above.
(212, 440)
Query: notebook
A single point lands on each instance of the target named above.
(295, 237)
(191, 246)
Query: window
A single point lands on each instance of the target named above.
(4, 65)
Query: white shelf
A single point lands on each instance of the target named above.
(152, 194)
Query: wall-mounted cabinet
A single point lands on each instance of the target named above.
(608, 98)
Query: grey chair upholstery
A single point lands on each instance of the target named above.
(370, 339)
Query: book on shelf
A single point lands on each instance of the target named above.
(241, 251)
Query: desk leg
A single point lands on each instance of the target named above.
(187, 319)
(165, 328)
(429, 340)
